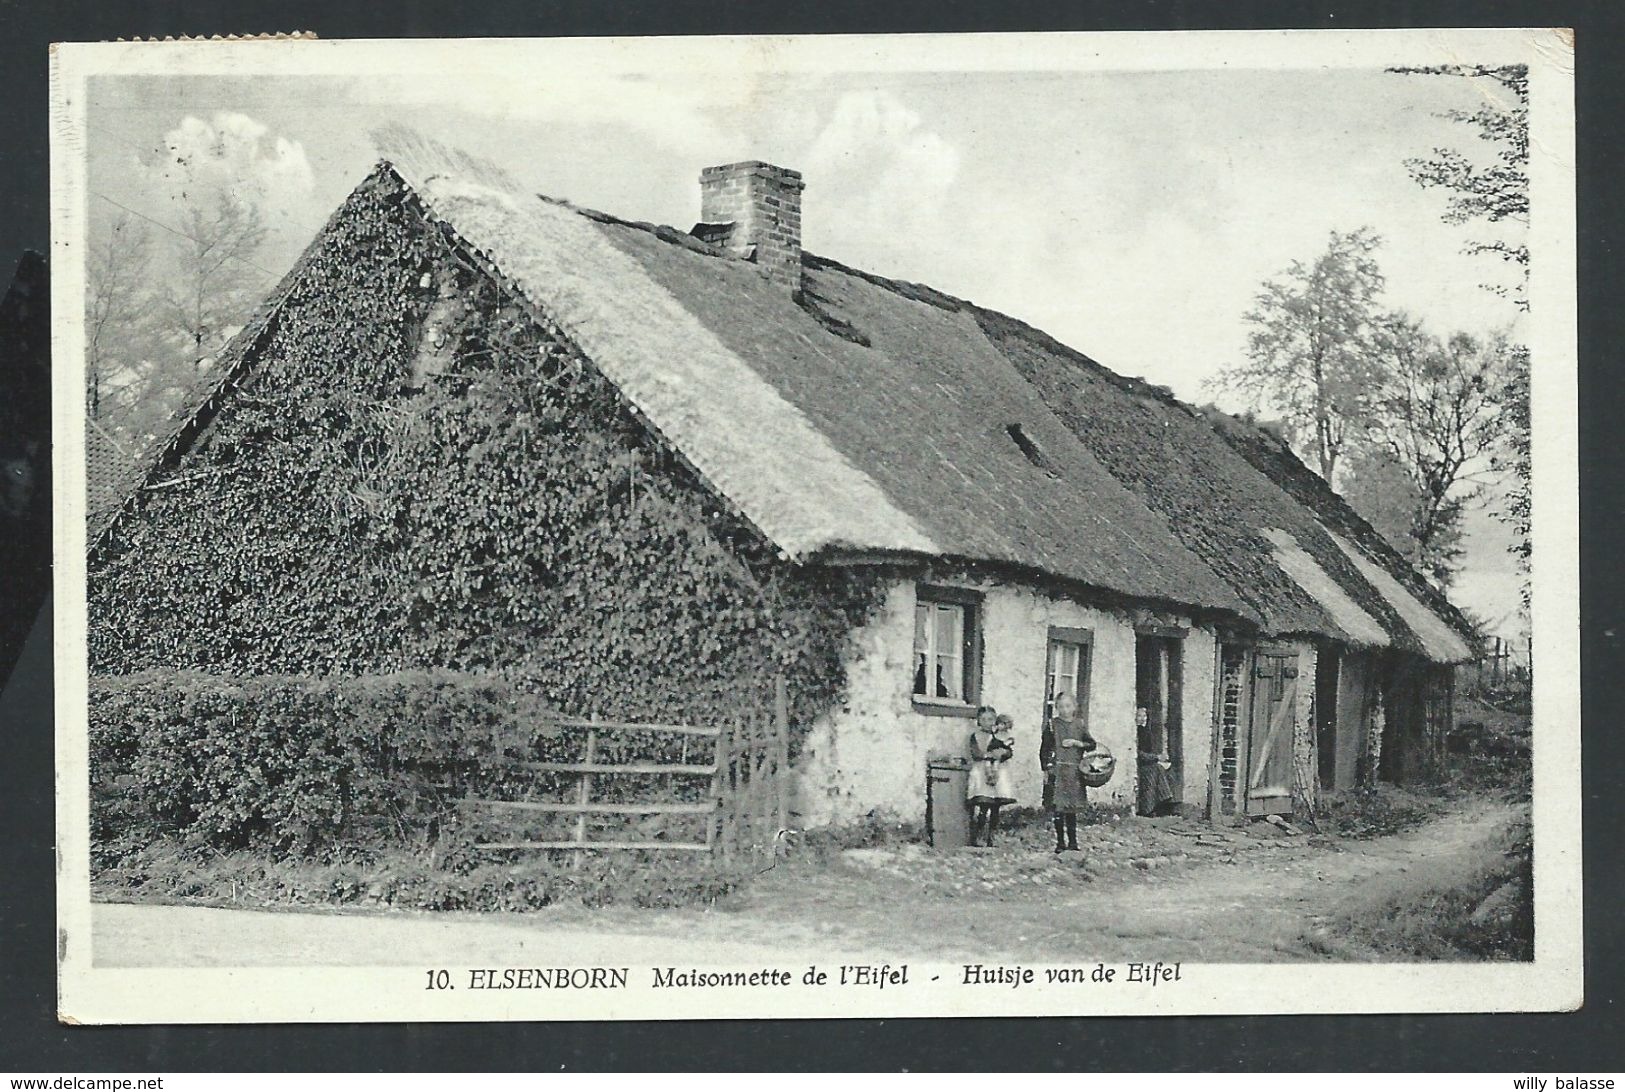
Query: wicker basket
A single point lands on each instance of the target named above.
(1097, 767)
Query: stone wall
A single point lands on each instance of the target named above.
(1232, 727)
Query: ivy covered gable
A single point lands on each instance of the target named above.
(409, 467)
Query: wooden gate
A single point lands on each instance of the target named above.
(1270, 769)
(591, 772)
(753, 792)
(683, 788)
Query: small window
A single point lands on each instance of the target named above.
(947, 648)
(1066, 668)
(1029, 447)
(1067, 674)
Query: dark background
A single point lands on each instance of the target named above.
(32, 1042)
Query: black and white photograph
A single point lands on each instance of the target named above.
(1042, 524)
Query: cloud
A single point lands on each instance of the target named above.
(233, 153)
(674, 114)
(878, 162)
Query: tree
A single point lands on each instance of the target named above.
(1308, 351)
(1513, 460)
(1436, 416)
(117, 269)
(156, 315)
(1496, 191)
(216, 279)
(1378, 488)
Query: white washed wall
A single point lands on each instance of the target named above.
(871, 753)
(1355, 677)
(1201, 664)
(1304, 752)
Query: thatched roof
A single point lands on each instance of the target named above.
(897, 447)
(876, 418)
(112, 473)
(753, 446)
(1237, 497)
(924, 408)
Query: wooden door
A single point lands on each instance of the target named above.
(1269, 736)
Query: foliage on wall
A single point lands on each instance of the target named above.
(400, 482)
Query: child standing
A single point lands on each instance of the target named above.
(1066, 741)
(989, 789)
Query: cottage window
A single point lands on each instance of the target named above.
(1067, 667)
(946, 650)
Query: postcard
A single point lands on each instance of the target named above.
(1018, 524)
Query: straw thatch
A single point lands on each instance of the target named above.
(1358, 627)
(1227, 489)
(924, 406)
(111, 474)
(753, 446)
(1274, 458)
(1439, 641)
(861, 416)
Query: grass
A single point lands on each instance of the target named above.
(1379, 811)
(1484, 912)
(1493, 759)
(168, 871)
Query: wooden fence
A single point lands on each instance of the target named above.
(731, 782)
(1501, 666)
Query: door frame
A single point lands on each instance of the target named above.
(1328, 723)
(1173, 639)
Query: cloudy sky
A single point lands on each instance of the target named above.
(1132, 215)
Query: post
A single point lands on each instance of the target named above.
(730, 792)
(584, 793)
(682, 760)
(781, 772)
(716, 833)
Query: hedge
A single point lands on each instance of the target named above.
(293, 766)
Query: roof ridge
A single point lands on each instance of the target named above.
(664, 232)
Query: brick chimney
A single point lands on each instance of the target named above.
(753, 211)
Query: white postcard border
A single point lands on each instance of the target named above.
(91, 994)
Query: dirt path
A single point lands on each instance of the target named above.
(1249, 905)
(1234, 898)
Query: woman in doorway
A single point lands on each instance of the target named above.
(1066, 741)
(1157, 796)
(991, 745)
